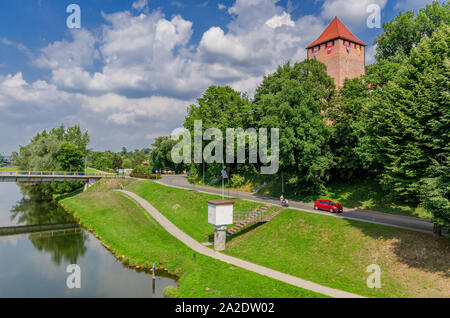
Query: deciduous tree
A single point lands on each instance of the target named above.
(293, 100)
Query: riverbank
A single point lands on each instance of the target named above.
(330, 251)
(138, 241)
(39, 256)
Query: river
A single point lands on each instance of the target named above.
(35, 265)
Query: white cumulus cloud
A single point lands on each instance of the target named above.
(141, 69)
(280, 20)
(353, 13)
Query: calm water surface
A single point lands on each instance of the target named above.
(34, 265)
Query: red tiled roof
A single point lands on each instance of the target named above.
(336, 30)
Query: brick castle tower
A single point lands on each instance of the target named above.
(342, 52)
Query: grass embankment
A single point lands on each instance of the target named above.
(93, 170)
(361, 194)
(186, 209)
(9, 168)
(138, 240)
(250, 186)
(330, 251)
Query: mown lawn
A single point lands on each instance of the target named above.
(336, 252)
(186, 209)
(327, 250)
(131, 232)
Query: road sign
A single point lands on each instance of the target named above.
(224, 174)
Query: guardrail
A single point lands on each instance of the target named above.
(145, 176)
(24, 173)
(26, 229)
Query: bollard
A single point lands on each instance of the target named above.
(220, 237)
(153, 272)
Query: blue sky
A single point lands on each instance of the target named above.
(131, 70)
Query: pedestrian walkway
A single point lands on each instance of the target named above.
(199, 248)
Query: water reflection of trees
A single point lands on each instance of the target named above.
(35, 208)
(62, 248)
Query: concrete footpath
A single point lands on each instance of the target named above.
(199, 248)
(399, 221)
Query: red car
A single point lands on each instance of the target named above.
(328, 205)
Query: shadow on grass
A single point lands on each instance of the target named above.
(69, 195)
(241, 232)
(417, 250)
(245, 230)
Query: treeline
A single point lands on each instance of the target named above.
(159, 158)
(65, 149)
(3, 161)
(392, 123)
(62, 149)
(59, 149)
(110, 162)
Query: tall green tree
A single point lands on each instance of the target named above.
(117, 162)
(161, 154)
(344, 111)
(43, 151)
(221, 108)
(127, 164)
(406, 122)
(435, 193)
(59, 149)
(293, 99)
(382, 72)
(70, 157)
(138, 158)
(406, 30)
(77, 137)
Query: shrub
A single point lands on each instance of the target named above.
(237, 181)
(142, 170)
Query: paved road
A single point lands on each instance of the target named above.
(199, 248)
(405, 222)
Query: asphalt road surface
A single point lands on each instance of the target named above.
(405, 222)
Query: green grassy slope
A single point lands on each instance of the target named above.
(186, 209)
(136, 238)
(327, 250)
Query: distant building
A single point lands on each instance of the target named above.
(342, 52)
(125, 171)
(5, 160)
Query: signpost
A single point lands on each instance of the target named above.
(224, 176)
